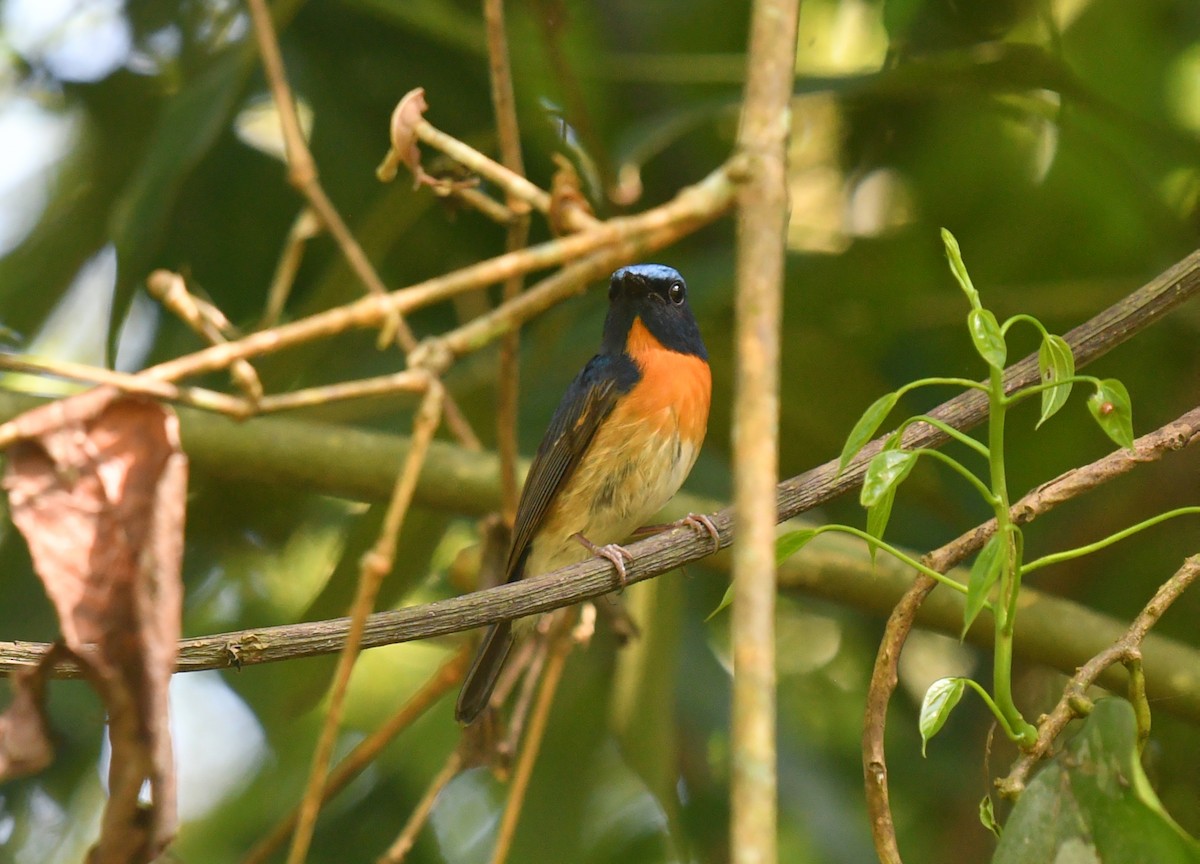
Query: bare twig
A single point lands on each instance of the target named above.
(505, 107)
(408, 381)
(305, 227)
(560, 646)
(197, 397)
(366, 751)
(884, 676)
(692, 208)
(206, 320)
(762, 222)
(1074, 699)
(420, 815)
(302, 173)
(376, 564)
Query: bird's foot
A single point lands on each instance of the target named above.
(613, 552)
(693, 520)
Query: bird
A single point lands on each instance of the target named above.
(620, 444)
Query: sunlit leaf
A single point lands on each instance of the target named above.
(1111, 407)
(984, 573)
(887, 470)
(986, 336)
(940, 699)
(1055, 363)
(865, 427)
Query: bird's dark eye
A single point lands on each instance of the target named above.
(676, 293)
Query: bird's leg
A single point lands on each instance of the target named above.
(614, 553)
(693, 520)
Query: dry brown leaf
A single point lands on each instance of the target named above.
(407, 115)
(97, 487)
(25, 746)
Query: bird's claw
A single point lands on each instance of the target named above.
(705, 524)
(614, 553)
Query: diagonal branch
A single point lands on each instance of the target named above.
(1124, 650)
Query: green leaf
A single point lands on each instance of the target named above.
(984, 573)
(940, 699)
(878, 515)
(887, 470)
(1111, 407)
(726, 600)
(789, 544)
(190, 124)
(1094, 803)
(1055, 363)
(987, 815)
(986, 335)
(958, 268)
(865, 427)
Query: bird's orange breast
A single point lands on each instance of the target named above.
(675, 388)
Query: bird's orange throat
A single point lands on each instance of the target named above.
(679, 382)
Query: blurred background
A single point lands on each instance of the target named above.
(1058, 139)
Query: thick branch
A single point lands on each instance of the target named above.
(299, 453)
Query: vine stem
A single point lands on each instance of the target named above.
(1005, 610)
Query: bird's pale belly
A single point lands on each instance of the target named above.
(612, 495)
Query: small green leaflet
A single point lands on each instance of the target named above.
(792, 542)
(726, 600)
(1111, 407)
(987, 815)
(958, 268)
(886, 471)
(984, 573)
(865, 427)
(786, 546)
(878, 515)
(1055, 363)
(985, 334)
(940, 699)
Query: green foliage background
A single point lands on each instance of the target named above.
(1066, 159)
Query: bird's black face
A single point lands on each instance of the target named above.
(657, 295)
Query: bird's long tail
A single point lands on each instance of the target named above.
(484, 672)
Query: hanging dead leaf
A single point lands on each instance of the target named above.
(97, 487)
(25, 746)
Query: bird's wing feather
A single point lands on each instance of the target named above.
(590, 398)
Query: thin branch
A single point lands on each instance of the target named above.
(692, 208)
(302, 173)
(762, 225)
(407, 838)
(505, 107)
(366, 751)
(197, 397)
(376, 564)
(1074, 698)
(305, 227)
(560, 646)
(408, 381)
(204, 319)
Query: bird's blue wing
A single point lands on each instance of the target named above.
(588, 401)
